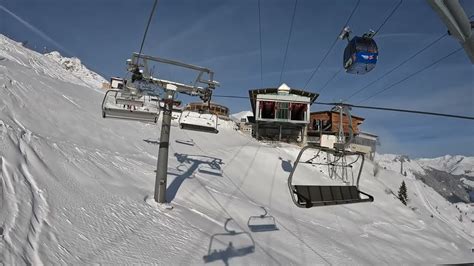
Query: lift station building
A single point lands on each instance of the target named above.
(324, 126)
(281, 114)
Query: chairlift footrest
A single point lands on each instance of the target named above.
(199, 128)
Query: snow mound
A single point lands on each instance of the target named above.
(76, 68)
(52, 64)
(238, 116)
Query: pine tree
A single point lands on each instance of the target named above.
(402, 193)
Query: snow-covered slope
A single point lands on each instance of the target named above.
(73, 190)
(76, 68)
(52, 64)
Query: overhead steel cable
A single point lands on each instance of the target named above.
(388, 17)
(411, 75)
(147, 26)
(397, 66)
(400, 110)
(329, 80)
(369, 107)
(288, 41)
(331, 47)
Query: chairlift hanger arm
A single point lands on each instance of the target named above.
(180, 87)
(211, 82)
(137, 56)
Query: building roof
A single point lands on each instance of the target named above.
(253, 94)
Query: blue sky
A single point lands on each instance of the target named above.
(224, 36)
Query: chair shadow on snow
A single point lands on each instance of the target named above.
(151, 141)
(203, 164)
(189, 142)
(262, 223)
(229, 244)
(286, 165)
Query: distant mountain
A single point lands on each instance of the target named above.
(450, 176)
(456, 165)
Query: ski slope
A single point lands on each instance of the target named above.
(75, 189)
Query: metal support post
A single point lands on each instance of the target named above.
(279, 135)
(162, 163)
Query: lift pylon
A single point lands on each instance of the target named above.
(142, 85)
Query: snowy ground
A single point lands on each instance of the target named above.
(74, 189)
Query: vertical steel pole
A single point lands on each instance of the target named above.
(162, 163)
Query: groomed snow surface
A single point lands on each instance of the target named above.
(75, 189)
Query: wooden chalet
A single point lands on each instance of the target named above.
(327, 122)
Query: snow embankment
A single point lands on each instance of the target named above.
(237, 117)
(52, 64)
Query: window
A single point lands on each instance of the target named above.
(298, 111)
(267, 110)
(282, 110)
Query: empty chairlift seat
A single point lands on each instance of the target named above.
(312, 196)
(117, 104)
(339, 171)
(205, 121)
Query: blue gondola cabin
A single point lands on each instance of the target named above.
(360, 55)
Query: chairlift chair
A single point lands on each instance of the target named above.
(360, 54)
(335, 157)
(123, 105)
(262, 223)
(199, 121)
(224, 246)
(307, 196)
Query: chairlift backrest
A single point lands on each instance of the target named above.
(204, 122)
(117, 104)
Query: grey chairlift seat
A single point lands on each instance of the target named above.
(307, 196)
(122, 105)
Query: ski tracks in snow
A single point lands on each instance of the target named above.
(438, 215)
(26, 206)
